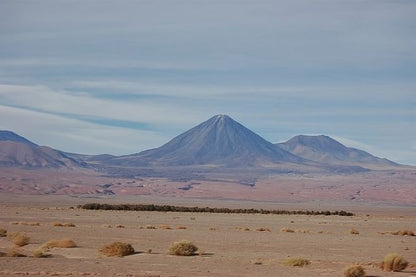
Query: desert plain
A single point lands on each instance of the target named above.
(229, 244)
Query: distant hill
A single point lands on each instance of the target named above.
(10, 136)
(216, 144)
(218, 141)
(18, 151)
(326, 150)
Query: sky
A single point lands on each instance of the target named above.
(120, 77)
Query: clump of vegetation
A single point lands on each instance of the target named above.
(354, 271)
(117, 249)
(38, 253)
(181, 227)
(182, 248)
(62, 243)
(354, 232)
(14, 253)
(296, 261)
(20, 239)
(394, 262)
(287, 230)
(263, 229)
(3, 232)
(168, 208)
(164, 227)
(34, 223)
(150, 227)
(243, 229)
(58, 224)
(120, 226)
(403, 233)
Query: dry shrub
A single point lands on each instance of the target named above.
(165, 227)
(354, 271)
(69, 225)
(62, 243)
(403, 233)
(14, 253)
(149, 251)
(3, 232)
(40, 254)
(120, 226)
(182, 248)
(34, 224)
(20, 239)
(117, 249)
(243, 228)
(287, 230)
(57, 224)
(106, 226)
(303, 231)
(394, 262)
(181, 227)
(151, 227)
(354, 232)
(296, 261)
(263, 229)
(212, 228)
(14, 223)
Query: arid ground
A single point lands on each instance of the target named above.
(229, 244)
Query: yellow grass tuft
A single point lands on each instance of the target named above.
(296, 261)
(394, 262)
(14, 253)
(182, 248)
(40, 254)
(62, 243)
(117, 249)
(164, 227)
(287, 230)
(354, 271)
(354, 232)
(19, 239)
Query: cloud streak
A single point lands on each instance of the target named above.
(152, 69)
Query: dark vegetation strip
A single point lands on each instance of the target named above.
(168, 208)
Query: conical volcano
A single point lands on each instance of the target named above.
(218, 141)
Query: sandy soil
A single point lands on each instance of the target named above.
(226, 249)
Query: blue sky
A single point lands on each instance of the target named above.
(120, 77)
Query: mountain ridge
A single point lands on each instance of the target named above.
(219, 140)
(19, 151)
(325, 149)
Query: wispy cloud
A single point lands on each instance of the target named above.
(157, 68)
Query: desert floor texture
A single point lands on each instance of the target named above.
(229, 244)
